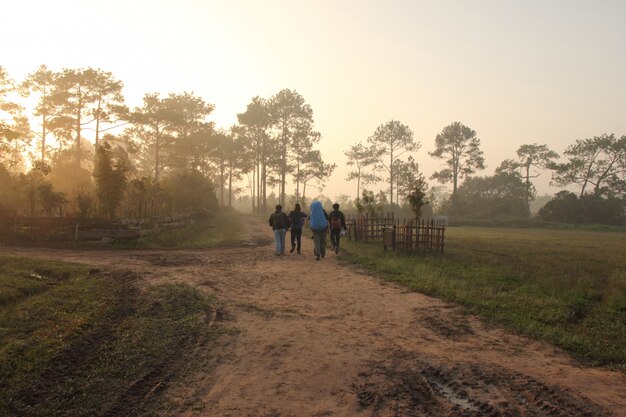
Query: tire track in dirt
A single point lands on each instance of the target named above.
(322, 339)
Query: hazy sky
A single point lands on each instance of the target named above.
(515, 71)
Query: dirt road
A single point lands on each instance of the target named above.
(317, 338)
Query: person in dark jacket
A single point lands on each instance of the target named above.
(280, 223)
(296, 218)
(337, 223)
(319, 227)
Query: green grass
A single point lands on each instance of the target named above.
(75, 344)
(222, 230)
(564, 287)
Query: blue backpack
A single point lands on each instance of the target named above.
(318, 220)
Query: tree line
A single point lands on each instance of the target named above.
(597, 165)
(166, 156)
(161, 157)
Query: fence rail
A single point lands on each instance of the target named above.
(73, 228)
(397, 234)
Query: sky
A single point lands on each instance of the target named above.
(517, 72)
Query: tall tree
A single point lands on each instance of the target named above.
(530, 159)
(390, 141)
(108, 107)
(459, 146)
(152, 123)
(191, 131)
(255, 122)
(14, 127)
(315, 169)
(223, 143)
(360, 158)
(238, 161)
(85, 99)
(288, 114)
(303, 154)
(599, 162)
(72, 97)
(39, 85)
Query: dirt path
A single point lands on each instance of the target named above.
(323, 339)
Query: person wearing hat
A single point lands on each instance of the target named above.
(279, 223)
(337, 225)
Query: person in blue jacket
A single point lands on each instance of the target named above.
(297, 218)
(319, 227)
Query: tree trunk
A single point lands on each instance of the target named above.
(43, 139)
(391, 177)
(230, 185)
(222, 168)
(98, 125)
(78, 127)
(264, 185)
(283, 168)
(157, 146)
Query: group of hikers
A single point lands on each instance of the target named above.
(320, 222)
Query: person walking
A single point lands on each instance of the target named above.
(319, 227)
(337, 226)
(280, 223)
(296, 219)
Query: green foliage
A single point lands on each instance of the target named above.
(597, 162)
(361, 157)
(367, 203)
(390, 141)
(566, 207)
(565, 287)
(110, 175)
(74, 344)
(50, 200)
(291, 118)
(417, 196)
(82, 97)
(503, 194)
(191, 191)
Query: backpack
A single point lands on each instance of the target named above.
(335, 224)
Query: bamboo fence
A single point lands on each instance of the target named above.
(396, 234)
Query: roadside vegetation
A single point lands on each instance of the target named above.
(75, 342)
(565, 287)
(224, 229)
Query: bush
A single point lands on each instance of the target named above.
(191, 191)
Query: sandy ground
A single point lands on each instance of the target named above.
(318, 338)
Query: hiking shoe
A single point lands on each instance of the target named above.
(292, 249)
(336, 250)
(317, 258)
(298, 252)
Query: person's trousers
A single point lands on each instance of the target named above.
(319, 240)
(334, 238)
(279, 238)
(296, 238)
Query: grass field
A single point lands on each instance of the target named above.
(75, 343)
(565, 287)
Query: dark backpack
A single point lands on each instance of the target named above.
(335, 223)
